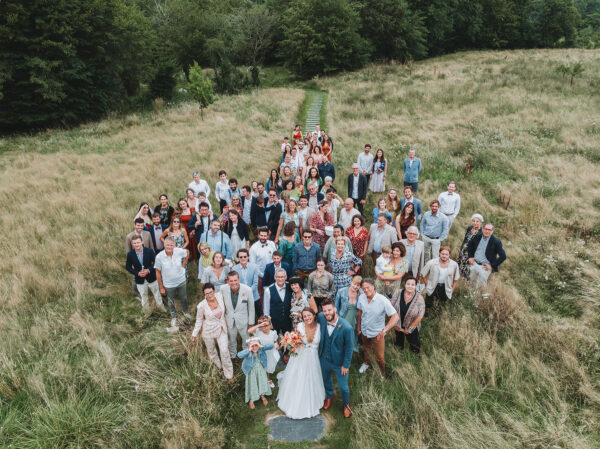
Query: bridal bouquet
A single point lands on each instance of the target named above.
(291, 342)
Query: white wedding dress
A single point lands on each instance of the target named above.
(301, 391)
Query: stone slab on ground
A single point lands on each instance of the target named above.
(295, 430)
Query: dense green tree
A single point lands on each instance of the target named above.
(546, 22)
(64, 61)
(323, 37)
(394, 30)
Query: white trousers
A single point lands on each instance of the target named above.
(431, 248)
(153, 287)
(224, 362)
(233, 334)
(479, 276)
(450, 221)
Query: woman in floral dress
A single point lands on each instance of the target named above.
(359, 236)
(463, 256)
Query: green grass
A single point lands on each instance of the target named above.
(82, 367)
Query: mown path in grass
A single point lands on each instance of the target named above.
(253, 429)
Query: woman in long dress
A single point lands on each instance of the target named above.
(238, 232)
(301, 390)
(379, 172)
(463, 257)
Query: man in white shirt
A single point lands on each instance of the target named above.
(440, 276)
(347, 213)
(277, 303)
(247, 203)
(365, 162)
(261, 253)
(415, 251)
(372, 310)
(199, 185)
(450, 203)
(170, 272)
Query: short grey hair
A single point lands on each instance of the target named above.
(280, 270)
(478, 216)
(170, 239)
(413, 228)
(328, 178)
(355, 165)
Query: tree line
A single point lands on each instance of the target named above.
(66, 61)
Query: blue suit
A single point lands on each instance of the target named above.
(335, 352)
(269, 273)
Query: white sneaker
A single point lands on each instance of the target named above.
(188, 316)
(363, 368)
(271, 384)
(174, 322)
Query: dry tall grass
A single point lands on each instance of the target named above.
(518, 366)
(81, 366)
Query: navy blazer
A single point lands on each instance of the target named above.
(242, 229)
(326, 170)
(274, 216)
(134, 267)
(362, 186)
(494, 251)
(151, 232)
(200, 229)
(418, 207)
(342, 344)
(320, 197)
(269, 274)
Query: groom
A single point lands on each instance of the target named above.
(335, 353)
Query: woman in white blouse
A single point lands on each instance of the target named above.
(210, 318)
(216, 272)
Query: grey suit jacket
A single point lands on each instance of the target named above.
(243, 315)
(389, 236)
(418, 257)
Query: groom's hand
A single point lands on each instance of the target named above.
(344, 371)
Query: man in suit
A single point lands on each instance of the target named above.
(271, 268)
(313, 197)
(200, 222)
(138, 230)
(409, 198)
(415, 251)
(357, 188)
(140, 263)
(273, 212)
(277, 303)
(156, 231)
(335, 353)
(485, 256)
(381, 234)
(239, 310)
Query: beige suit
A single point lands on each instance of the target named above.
(418, 257)
(214, 333)
(389, 236)
(240, 318)
(146, 240)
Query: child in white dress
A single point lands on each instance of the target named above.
(264, 331)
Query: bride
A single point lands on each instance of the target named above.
(301, 390)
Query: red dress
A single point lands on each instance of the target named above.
(358, 240)
(185, 219)
(326, 149)
(297, 136)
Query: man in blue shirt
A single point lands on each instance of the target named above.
(326, 168)
(217, 239)
(434, 230)
(306, 254)
(412, 168)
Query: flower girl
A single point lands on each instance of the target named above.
(264, 331)
(253, 366)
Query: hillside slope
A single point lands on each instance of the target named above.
(81, 366)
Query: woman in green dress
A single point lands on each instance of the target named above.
(287, 243)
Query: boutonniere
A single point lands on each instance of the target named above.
(339, 326)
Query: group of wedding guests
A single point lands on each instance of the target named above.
(267, 251)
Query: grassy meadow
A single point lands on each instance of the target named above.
(81, 366)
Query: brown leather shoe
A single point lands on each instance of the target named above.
(327, 403)
(347, 411)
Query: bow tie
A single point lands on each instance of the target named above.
(157, 228)
(262, 245)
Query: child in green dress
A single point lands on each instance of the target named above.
(254, 367)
